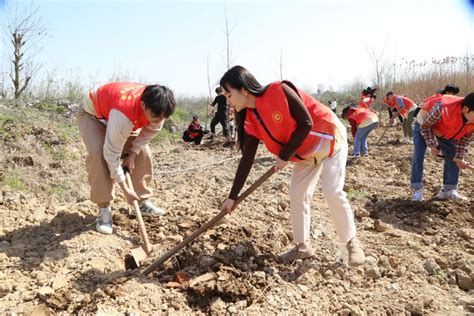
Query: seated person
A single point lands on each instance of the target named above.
(194, 133)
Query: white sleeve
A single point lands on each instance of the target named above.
(146, 135)
(118, 130)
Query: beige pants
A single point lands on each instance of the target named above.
(303, 183)
(92, 132)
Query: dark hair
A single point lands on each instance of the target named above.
(159, 99)
(345, 111)
(450, 88)
(218, 90)
(238, 77)
(389, 93)
(469, 101)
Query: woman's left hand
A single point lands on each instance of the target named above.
(280, 164)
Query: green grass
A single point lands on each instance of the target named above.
(165, 134)
(356, 194)
(181, 115)
(57, 152)
(67, 132)
(13, 181)
(4, 120)
(51, 107)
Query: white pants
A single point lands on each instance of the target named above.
(303, 183)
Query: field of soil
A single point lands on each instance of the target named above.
(420, 256)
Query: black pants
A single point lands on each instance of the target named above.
(196, 140)
(222, 119)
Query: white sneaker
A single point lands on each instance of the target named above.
(148, 209)
(403, 140)
(417, 195)
(450, 195)
(104, 221)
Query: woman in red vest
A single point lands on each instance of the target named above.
(406, 108)
(116, 120)
(362, 121)
(297, 128)
(367, 98)
(445, 124)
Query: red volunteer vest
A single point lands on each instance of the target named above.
(366, 105)
(402, 104)
(122, 96)
(192, 127)
(359, 115)
(452, 125)
(435, 96)
(271, 122)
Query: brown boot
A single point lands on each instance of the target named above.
(355, 252)
(295, 253)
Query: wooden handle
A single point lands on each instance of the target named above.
(207, 225)
(138, 214)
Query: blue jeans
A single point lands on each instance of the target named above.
(360, 139)
(448, 148)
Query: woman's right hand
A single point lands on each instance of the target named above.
(228, 205)
(130, 195)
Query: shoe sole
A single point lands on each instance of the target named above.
(152, 214)
(104, 231)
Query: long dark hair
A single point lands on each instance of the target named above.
(238, 77)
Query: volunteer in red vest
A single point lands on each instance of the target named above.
(367, 102)
(405, 108)
(362, 121)
(119, 120)
(446, 125)
(295, 128)
(367, 98)
(194, 133)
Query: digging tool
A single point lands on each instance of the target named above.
(207, 225)
(383, 134)
(138, 254)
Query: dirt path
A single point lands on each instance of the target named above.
(420, 256)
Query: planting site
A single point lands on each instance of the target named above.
(419, 255)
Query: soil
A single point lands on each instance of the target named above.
(420, 256)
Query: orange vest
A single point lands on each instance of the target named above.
(271, 122)
(452, 124)
(359, 115)
(403, 104)
(429, 102)
(433, 97)
(122, 96)
(365, 104)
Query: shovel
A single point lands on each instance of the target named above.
(207, 225)
(138, 254)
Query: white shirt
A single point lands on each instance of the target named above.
(119, 128)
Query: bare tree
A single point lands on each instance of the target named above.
(227, 31)
(209, 90)
(24, 29)
(379, 64)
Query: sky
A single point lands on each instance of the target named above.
(322, 43)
